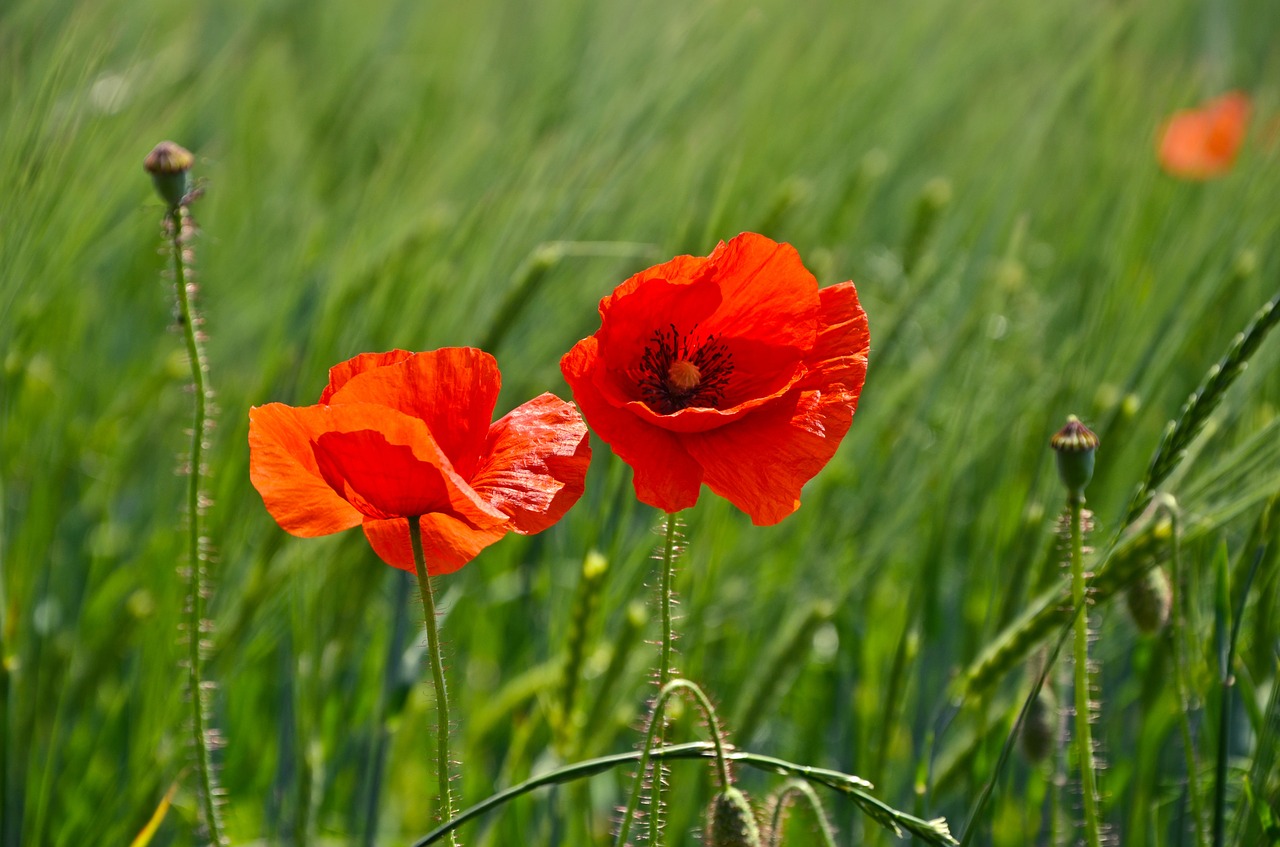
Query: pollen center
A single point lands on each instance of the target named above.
(677, 371)
(684, 376)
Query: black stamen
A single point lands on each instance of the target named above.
(653, 378)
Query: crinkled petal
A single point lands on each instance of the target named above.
(761, 462)
(666, 476)
(447, 543)
(339, 374)
(536, 463)
(453, 390)
(839, 356)
(282, 467)
(383, 479)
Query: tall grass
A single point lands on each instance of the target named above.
(382, 175)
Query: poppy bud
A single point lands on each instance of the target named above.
(169, 165)
(1150, 600)
(1075, 444)
(1042, 726)
(730, 821)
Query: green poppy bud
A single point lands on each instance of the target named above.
(1150, 600)
(1075, 444)
(730, 821)
(169, 165)
(1042, 727)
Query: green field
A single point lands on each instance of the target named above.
(417, 175)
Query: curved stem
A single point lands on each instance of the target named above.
(195, 606)
(1083, 737)
(437, 674)
(932, 832)
(650, 739)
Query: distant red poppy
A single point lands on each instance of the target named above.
(732, 369)
(400, 435)
(1203, 143)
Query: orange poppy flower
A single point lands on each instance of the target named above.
(404, 435)
(732, 370)
(1203, 143)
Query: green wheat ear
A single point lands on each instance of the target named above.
(1195, 413)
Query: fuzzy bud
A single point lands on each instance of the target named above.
(1150, 600)
(730, 821)
(169, 165)
(1075, 444)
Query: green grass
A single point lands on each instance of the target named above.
(384, 174)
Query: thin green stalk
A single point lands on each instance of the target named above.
(177, 220)
(377, 764)
(437, 675)
(1226, 660)
(1083, 736)
(1176, 636)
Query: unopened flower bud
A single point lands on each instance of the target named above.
(731, 821)
(1075, 444)
(1042, 726)
(1150, 600)
(169, 165)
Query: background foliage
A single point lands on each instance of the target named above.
(399, 174)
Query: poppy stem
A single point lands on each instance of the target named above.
(177, 222)
(437, 674)
(664, 672)
(1083, 735)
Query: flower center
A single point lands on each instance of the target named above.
(684, 376)
(676, 373)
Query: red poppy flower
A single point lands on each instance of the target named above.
(401, 435)
(732, 369)
(1203, 143)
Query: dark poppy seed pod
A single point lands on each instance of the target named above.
(730, 821)
(169, 165)
(1075, 444)
(1150, 600)
(1042, 726)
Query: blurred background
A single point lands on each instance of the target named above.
(416, 175)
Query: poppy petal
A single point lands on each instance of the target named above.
(340, 373)
(767, 294)
(282, 467)
(1203, 143)
(383, 479)
(666, 476)
(681, 270)
(453, 390)
(536, 463)
(839, 355)
(447, 543)
(801, 434)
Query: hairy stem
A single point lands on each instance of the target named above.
(177, 220)
(437, 675)
(1083, 736)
